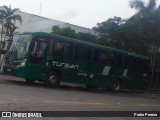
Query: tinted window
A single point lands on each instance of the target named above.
(101, 56)
(83, 52)
(88, 53)
(39, 48)
(68, 50)
(112, 58)
(51, 47)
(146, 66)
(128, 62)
(135, 64)
(119, 60)
(58, 48)
(64, 49)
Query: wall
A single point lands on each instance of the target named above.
(34, 23)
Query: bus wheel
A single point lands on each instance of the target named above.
(31, 81)
(53, 79)
(116, 86)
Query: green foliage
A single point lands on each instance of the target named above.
(111, 26)
(110, 32)
(8, 18)
(137, 34)
(68, 32)
(86, 37)
(64, 31)
(141, 7)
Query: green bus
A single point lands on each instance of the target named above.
(52, 59)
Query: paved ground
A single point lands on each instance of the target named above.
(17, 95)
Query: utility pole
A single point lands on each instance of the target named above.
(153, 64)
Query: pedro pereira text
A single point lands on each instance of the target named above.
(31, 114)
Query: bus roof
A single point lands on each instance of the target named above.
(88, 44)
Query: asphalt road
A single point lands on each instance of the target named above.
(18, 95)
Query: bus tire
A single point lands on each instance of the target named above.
(31, 81)
(117, 84)
(53, 79)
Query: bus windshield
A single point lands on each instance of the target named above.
(19, 47)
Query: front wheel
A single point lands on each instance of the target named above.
(53, 79)
(116, 86)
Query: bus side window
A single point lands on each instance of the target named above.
(135, 64)
(80, 52)
(128, 62)
(120, 61)
(112, 59)
(51, 47)
(63, 49)
(83, 52)
(101, 57)
(68, 50)
(140, 64)
(58, 48)
(42, 49)
(39, 48)
(146, 66)
(89, 53)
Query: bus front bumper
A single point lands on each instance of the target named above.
(13, 70)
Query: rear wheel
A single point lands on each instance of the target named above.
(116, 85)
(31, 81)
(53, 79)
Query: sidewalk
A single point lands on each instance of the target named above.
(8, 77)
(149, 91)
(154, 91)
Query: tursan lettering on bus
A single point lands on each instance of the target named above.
(64, 65)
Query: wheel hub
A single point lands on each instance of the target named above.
(116, 86)
(52, 79)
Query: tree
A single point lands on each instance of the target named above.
(143, 9)
(110, 32)
(88, 37)
(138, 29)
(8, 18)
(68, 32)
(135, 34)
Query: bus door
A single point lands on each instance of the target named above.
(37, 59)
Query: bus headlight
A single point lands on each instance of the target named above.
(23, 62)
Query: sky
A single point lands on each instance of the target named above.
(85, 13)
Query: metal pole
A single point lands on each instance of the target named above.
(153, 64)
